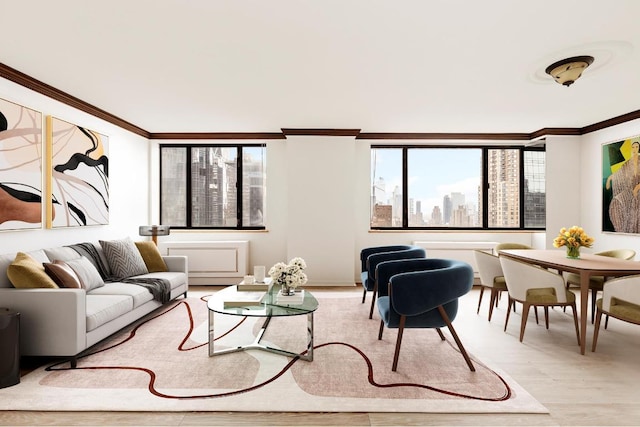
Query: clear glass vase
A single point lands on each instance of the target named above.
(573, 252)
(287, 290)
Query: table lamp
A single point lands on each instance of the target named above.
(154, 231)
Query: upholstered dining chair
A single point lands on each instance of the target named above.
(596, 282)
(423, 293)
(372, 256)
(532, 285)
(620, 299)
(491, 277)
(509, 245)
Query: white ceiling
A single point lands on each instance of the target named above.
(381, 66)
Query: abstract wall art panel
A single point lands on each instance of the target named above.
(20, 167)
(621, 186)
(78, 178)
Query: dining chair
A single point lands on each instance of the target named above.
(423, 293)
(596, 282)
(509, 245)
(532, 285)
(491, 277)
(369, 259)
(620, 299)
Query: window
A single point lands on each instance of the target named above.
(212, 186)
(414, 187)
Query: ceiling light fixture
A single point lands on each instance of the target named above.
(568, 70)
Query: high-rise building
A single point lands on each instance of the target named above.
(447, 209)
(504, 188)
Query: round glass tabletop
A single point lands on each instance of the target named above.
(261, 303)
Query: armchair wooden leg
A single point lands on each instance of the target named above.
(546, 316)
(596, 330)
(480, 299)
(494, 301)
(523, 322)
(535, 309)
(381, 329)
(506, 320)
(396, 354)
(467, 359)
(364, 295)
(440, 334)
(373, 300)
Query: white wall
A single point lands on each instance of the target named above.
(128, 178)
(563, 182)
(329, 225)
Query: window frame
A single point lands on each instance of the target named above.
(484, 183)
(188, 193)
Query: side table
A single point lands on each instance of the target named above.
(9, 347)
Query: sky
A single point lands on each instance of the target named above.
(433, 173)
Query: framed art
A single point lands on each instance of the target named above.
(78, 175)
(21, 168)
(621, 186)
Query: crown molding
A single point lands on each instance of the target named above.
(58, 95)
(320, 132)
(53, 93)
(612, 122)
(465, 136)
(217, 135)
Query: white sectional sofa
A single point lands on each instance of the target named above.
(66, 321)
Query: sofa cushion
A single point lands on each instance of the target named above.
(105, 308)
(124, 258)
(62, 274)
(139, 294)
(26, 272)
(151, 256)
(87, 273)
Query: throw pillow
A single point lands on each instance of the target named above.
(151, 256)
(123, 258)
(62, 274)
(87, 273)
(26, 272)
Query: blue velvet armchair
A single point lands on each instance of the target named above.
(423, 293)
(371, 257)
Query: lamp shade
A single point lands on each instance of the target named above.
(567, 71)
(154, 230)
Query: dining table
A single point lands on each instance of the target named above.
(586, 266)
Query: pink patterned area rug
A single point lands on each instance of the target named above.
(162, 364)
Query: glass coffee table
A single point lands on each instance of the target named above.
(230, 302)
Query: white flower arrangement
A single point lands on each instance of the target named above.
(291, 275)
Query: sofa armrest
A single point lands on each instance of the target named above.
(176, 263)
(53, 322)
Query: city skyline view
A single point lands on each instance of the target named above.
(431, 176)
(445, 187)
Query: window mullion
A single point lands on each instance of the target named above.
(188, 185)
(239, 187)
(521, 195)
(405, 187)
(485, 188)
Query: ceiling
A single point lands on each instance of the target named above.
(447, 66)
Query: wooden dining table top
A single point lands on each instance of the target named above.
(557, 258)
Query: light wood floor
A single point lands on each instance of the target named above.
(600, 388)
